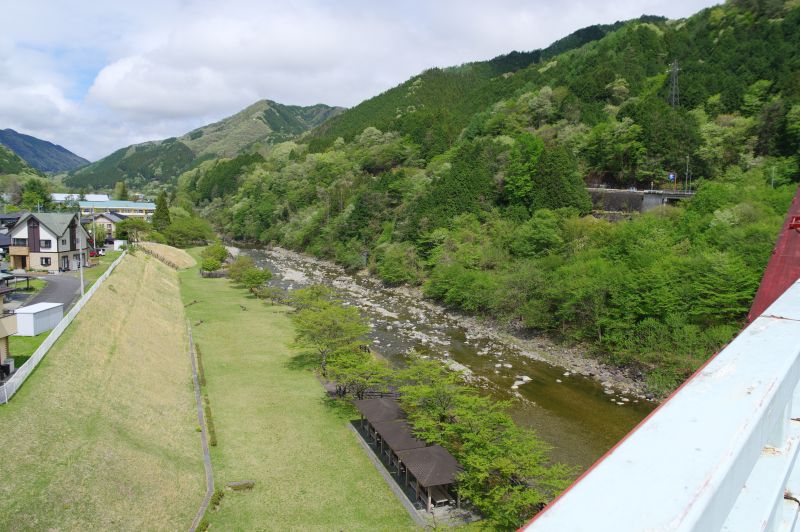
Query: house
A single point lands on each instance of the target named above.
(49, 241)
(59, 197)
(105, 220)
(127, 208)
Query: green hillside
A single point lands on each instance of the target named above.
(477, 193)
(40, 154)
(265, 122)
(436, 105)
(12, 164)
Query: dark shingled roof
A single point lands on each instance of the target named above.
(398, 435)
(431, 466)
(378, 410)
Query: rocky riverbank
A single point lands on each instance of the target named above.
(424, 319)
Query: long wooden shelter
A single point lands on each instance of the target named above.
(429, 469)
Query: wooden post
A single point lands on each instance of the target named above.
(416, 489)
(430, 509)
(406, 475)
(458, 499)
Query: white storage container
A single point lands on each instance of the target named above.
(36, 319)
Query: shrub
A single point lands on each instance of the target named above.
(240, 264)
(201, 373)
(158, 238)
(215, 251)
(216, 498)
(210, 264)
(212, 432)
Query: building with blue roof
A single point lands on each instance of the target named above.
(138, 209)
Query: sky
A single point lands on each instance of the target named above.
(95, 76)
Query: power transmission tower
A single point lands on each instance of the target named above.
(674, 90)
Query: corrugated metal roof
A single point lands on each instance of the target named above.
(784, 266)
(117, 204)
(60, 196)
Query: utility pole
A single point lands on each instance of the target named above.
(772, 172)
(686, 176)
(674, 90)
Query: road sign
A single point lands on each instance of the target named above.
(671, 176)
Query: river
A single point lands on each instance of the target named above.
(580, 417)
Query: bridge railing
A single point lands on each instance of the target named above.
(720, 454)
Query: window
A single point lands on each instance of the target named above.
(19, 242)
(63, 241)
(44, 261)
(45, 244)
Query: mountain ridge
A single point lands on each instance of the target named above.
(264, 121)
(41, 154)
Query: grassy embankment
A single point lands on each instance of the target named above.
(273, 427)
(22, 347)
(103, 435)
(176, 256)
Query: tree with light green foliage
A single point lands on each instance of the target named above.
(253, 278)
(329, 328)
(521, 168)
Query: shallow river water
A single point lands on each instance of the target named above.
(577, 415)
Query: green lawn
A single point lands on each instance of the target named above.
(22, 347)
(102, 436)
(90, 275)
(273, 427)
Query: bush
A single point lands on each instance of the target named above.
(240, 264)
(216, 498)
(212, 432)
(399, 265)
(210, 264)
(215, 251)
(158, 238)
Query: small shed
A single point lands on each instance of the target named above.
(36, 319)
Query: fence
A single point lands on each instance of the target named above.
(13, 384)
(723, 453)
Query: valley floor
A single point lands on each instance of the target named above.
(273, 426)
(103, 435)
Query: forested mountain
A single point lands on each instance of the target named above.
(433, 107)
(470, 182)
(265, 122)
(12, 164)
(40, 154)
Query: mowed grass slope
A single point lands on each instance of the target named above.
(273, 427)
(102, 435)
(177, 256)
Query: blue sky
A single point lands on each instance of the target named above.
(98, 76)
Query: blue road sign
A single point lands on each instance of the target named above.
(671, 176)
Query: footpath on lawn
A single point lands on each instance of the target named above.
(103, 435)
(272, 424)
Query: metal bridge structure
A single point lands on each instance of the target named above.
(721, 453)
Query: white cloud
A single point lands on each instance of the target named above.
(95, 76)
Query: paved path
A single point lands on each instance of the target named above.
(203, 437)
(60, 288)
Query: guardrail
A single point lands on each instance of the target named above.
(10, 387)
(720, 453)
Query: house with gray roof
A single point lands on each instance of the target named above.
(48, 241)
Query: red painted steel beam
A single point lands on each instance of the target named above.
(784, 266)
